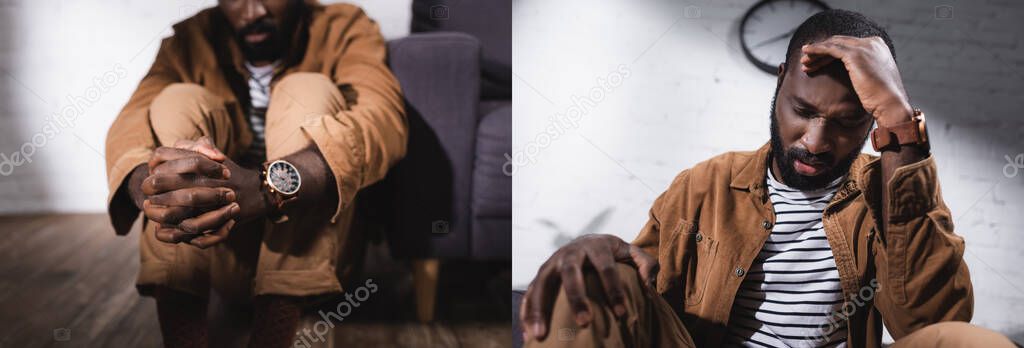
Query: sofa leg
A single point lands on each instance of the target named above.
(425, 281)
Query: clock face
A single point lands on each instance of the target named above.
(768, 26)
(283, 177)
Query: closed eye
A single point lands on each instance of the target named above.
(851, 121)
(804, 112)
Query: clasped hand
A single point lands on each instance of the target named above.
(197, 194)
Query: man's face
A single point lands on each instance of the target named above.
(818, 126)
(262, 27)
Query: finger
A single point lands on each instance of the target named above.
(168, 234)
(204, 146)
(571, 272)
(166, 214)
(164, 153)
(540, 299)
(210, 220)
(825, 48)
(181, 236)
(157, 184)
(195, 197)
(646, 264)
(814, 64)
(849, 41)
(607, 270)
(194, 164)
(523, 327)
(208, 240)
(807, 59)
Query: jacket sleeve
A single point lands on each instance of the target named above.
(922, 276)
(130, 140)
(658, 236)
(362, 142)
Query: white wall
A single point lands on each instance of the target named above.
(85, 58)
(691, 94)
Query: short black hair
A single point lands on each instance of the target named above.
(826, 23)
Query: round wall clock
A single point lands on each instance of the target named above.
(767, 27)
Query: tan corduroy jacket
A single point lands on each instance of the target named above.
(340, 41)
(708, 227)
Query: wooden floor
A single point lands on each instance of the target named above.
(68, 280)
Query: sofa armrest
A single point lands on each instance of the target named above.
(440, 77)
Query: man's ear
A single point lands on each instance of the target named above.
(782, 69)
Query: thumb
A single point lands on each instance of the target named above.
(204, 146)
(646, 264)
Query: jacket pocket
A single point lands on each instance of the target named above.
(701, 250)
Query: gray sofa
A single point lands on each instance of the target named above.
(448, 198)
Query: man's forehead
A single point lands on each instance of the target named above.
(829, 87)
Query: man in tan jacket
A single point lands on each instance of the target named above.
(262, 119)
(805, 242)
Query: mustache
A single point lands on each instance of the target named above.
(807, 157)
(262, 25)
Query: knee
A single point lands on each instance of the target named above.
(301, 99)
(603, 321)
(962, 334)
(179, 99)
(304, 81)
(628, 276)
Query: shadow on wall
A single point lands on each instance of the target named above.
(563, 236)
(21, 142)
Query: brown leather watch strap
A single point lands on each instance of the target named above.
(912, 132)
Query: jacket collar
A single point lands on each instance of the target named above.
(750, 176)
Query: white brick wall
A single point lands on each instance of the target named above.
(691, 95)
(51, 51)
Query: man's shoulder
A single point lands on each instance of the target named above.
(337, 13)
(728, 162)
(200, 22)
(707, 179)
(204, 19)
(340, 8)
(721, 167)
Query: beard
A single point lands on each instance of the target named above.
(784, 158)
(270, 49)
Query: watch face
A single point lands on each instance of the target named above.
(283, 177)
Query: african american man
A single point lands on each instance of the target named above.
(244, 146)
(804, 242)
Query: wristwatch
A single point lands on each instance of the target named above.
(912, 132)
(281, 182)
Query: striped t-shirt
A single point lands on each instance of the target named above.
(792, 289)
(259, 96)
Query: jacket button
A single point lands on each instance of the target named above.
(766, 224)
(699, 237)
(739, 271)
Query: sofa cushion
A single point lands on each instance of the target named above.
(492, 188)
(490, 21)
